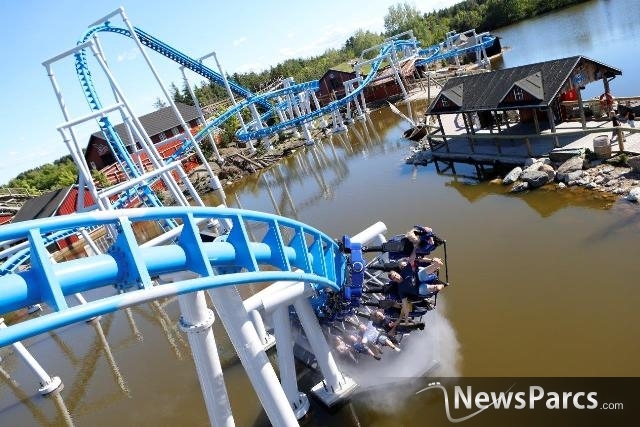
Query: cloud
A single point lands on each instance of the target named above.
(247, 67)
(129, 55)
(238, 42)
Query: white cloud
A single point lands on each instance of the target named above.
(238, 42)
(129, 55)
(248, 67)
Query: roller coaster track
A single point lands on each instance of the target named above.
(437, 52)
(288, 250)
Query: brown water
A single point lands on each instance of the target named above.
(544, 284)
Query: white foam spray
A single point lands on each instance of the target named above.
(435, 351)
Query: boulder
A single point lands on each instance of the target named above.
(634, 163)
(571, 165)
(519, 187)
(549, 170)
(634, 194)
(573, 176)
(535, 178)
(512, 176)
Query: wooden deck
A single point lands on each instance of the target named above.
(519, 141)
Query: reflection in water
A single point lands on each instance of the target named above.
(545, 201)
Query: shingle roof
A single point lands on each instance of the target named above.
(44, 206)
(487, 91)
(158, 121)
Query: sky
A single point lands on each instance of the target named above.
(263, 34)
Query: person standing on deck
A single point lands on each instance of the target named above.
(616, 133)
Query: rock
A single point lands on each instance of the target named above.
(529, 162)
(534, 167)
(634, 195)
(560, 155)
(572, 176)
(548, 169)
(607, 169)
(571, 165)
(561, 186)
(519, 187)
(535, 178)
(512, 176)
(634, 163)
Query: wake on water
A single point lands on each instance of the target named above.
(432, 352)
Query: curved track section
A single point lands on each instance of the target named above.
(437, 53)
(288, 250)
(269, 100)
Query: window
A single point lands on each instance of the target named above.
(162, 136)
(174, 131)
(518, 94)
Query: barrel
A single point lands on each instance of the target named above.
(602, 147)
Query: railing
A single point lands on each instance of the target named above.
(475, 140)
(19, 193)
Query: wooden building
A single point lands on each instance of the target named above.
(382, 87)
(162, 126)
(535, 91)
(63, 201)
(332, 85)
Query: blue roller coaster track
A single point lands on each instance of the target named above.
(267, 101)
(289, 250)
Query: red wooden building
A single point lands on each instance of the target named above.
(382, 87)
(59, 202)
(162, 126)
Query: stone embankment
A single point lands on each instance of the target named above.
(619, 175)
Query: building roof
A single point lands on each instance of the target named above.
(526, 86)
(387, 74)
(156, 122)
(44, 206)
(62, 201)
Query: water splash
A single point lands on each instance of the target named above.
(432, 352)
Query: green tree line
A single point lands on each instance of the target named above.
(428, 28)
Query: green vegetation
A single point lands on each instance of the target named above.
(429, 28)
(51, 176)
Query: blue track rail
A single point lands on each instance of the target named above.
(288, 250)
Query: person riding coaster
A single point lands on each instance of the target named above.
(392, 321)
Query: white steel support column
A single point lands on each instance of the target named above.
(338, 123)
(399, 80)
(286, 363)
(233, 99)
(47, 384)
(197, 321)
(335, 385)
(201, 114)
(323, 121)
(244, 338)
(167, 95)
(307, 134)
(362, 98)
(266, 339)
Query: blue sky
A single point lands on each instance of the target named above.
(267, 33)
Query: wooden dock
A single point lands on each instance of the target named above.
(515, 143)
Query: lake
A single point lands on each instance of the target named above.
(543, 283)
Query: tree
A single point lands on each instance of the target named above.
(401, 17)
(159, 104)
